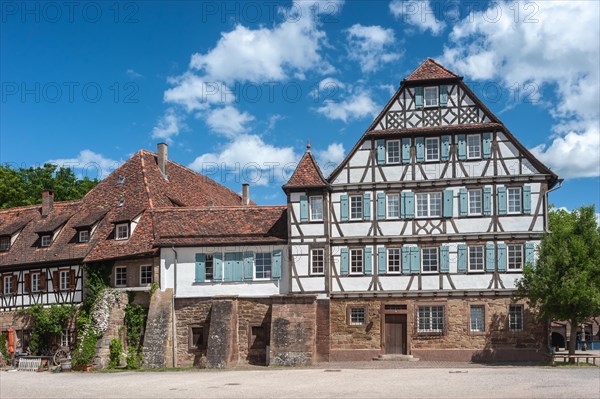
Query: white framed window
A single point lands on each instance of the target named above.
(65, 280)
(356, 261)
(393, 260)
(357, 315)
(477, 318)
(475, 202)
(515, 317)
(35, 282)
(316, 208)
(208, 267)
(196, 337)
(514, 199)
(46, 240)
(432, 149)
(431, 319)
(430, 95)
(84, 235)
(8, 284)
(393, 205)
(262, 265)
(393, 151)
(515, 256)
(356, 207)
(473, 146)
(317, 261)
(430, 260)
(476, 258)
(120, 276)
(65, 337)
(4, 243)
(122, 231)
(429, 205)
(145, 275)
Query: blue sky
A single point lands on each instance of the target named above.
(237, 89)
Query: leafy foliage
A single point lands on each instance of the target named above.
(565, 283)
(135, 317)
(4, 346)
(23, 186)
(116, 349)
(46, 324)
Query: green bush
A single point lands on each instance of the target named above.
(134, 358)
(116, 349)
(46, 324)
(3, 346)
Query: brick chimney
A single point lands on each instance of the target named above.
(245, 194)
(163, 157)
(47, 202)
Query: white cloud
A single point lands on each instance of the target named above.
(557, 47)
(197, 93)
(89, 164)
(228, 121)
(329, 158)
(167, 126)
(132, 74)
(353, 106)
(249, 158)
(368, 45)
(574, 155)
(418, 13)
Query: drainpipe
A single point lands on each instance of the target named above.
(173, 308)
(549, 336)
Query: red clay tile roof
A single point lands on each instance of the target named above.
(473, 127)
(220, 225)
(307, 173)
(430, 69)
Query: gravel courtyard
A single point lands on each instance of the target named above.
(441, 382)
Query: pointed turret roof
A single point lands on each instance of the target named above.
(307, 173)
(430, 69)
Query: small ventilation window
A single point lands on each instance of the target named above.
(395, 307)
(121, 203)
(121, 180)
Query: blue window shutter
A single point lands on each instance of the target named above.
(368, 261)
(344, 208)
(443, 95)
(448, 203)
(501, 200)
(487, 201)
(405, 260)
(501, 257)
(463, 208)
(487, 145)
(461, 259)
(381, 260)
(380, 152)
(420, 146)
(405, 150)
(303, 208)
(367, 206)
(527, 199)
(234, 266)
(248, 265)
(381, 206)
(490, 261)
(276, 266)
(344, 261)
(200, 268)
(445, 148)
(444, 259)
(403, 205)
(415, 260)
(462, 147)
(218, 266)
(409, 205)
(419, 97)
(529, 253)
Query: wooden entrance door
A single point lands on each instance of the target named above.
(395, 334)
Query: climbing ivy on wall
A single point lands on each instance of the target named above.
(46, 324)
(135, 317)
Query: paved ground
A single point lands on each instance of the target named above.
(469, 381)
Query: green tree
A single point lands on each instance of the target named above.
(565, 282)
(23, 186)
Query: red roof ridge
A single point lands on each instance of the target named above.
(145, 179)
(431, 69)
(307, 173)
(34, 206)
(208, 208)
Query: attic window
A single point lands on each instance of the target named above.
(431, 96)
(121, 180)
(121, 202)
(4, 243)
(46, 240)
(84, 235)
(122, 231)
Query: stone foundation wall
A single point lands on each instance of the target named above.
(253, 313)
(116, 329)
(190, 312)
(323, 330)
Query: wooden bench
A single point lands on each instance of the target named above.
(576, 357)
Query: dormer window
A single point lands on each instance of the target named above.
(431, 96)
(121, 203)
(4, 243)
(122, 231)
(121, 180)
(83, 236)
(45, 240)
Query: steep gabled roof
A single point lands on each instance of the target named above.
(307, 173)
(220, 225)
(430, 70)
